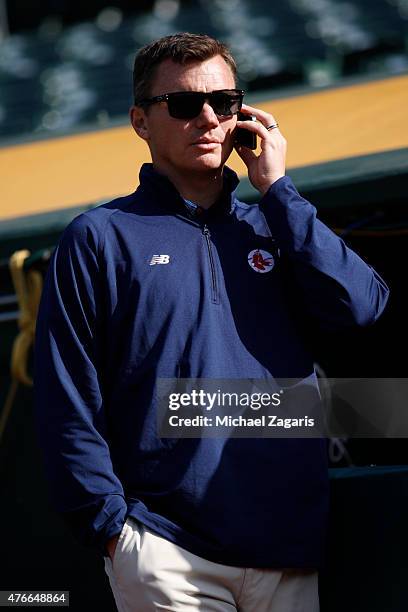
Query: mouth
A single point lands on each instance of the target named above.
(206, 144)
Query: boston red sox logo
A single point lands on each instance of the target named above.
(261, 261)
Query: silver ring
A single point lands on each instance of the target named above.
(273, 126)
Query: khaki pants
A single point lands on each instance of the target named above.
(149, 573)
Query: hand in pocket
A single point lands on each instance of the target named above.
(111, 546)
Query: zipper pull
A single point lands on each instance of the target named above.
(206, 231)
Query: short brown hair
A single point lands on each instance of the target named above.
(182, 48)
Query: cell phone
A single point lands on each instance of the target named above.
(245, 137)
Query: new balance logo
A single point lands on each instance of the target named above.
(159, 259)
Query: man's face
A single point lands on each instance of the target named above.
(178, 144)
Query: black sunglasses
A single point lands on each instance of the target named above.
(189, 104)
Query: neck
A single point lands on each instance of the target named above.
(202, 189)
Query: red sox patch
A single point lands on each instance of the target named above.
(261, 261)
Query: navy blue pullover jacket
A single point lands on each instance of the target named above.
(110, 324)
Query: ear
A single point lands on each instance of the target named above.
(138, 120)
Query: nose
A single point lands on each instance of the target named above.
(207, 117)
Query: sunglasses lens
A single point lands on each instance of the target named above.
(185, 105)
(226, 104)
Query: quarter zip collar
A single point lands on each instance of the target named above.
(166, 196)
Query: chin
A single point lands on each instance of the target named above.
(207, 161)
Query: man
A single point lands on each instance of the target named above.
(181, 280)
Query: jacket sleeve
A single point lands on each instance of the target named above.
(68, 389)
(336, 286)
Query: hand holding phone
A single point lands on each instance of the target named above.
(245, 137)
(269, 165)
